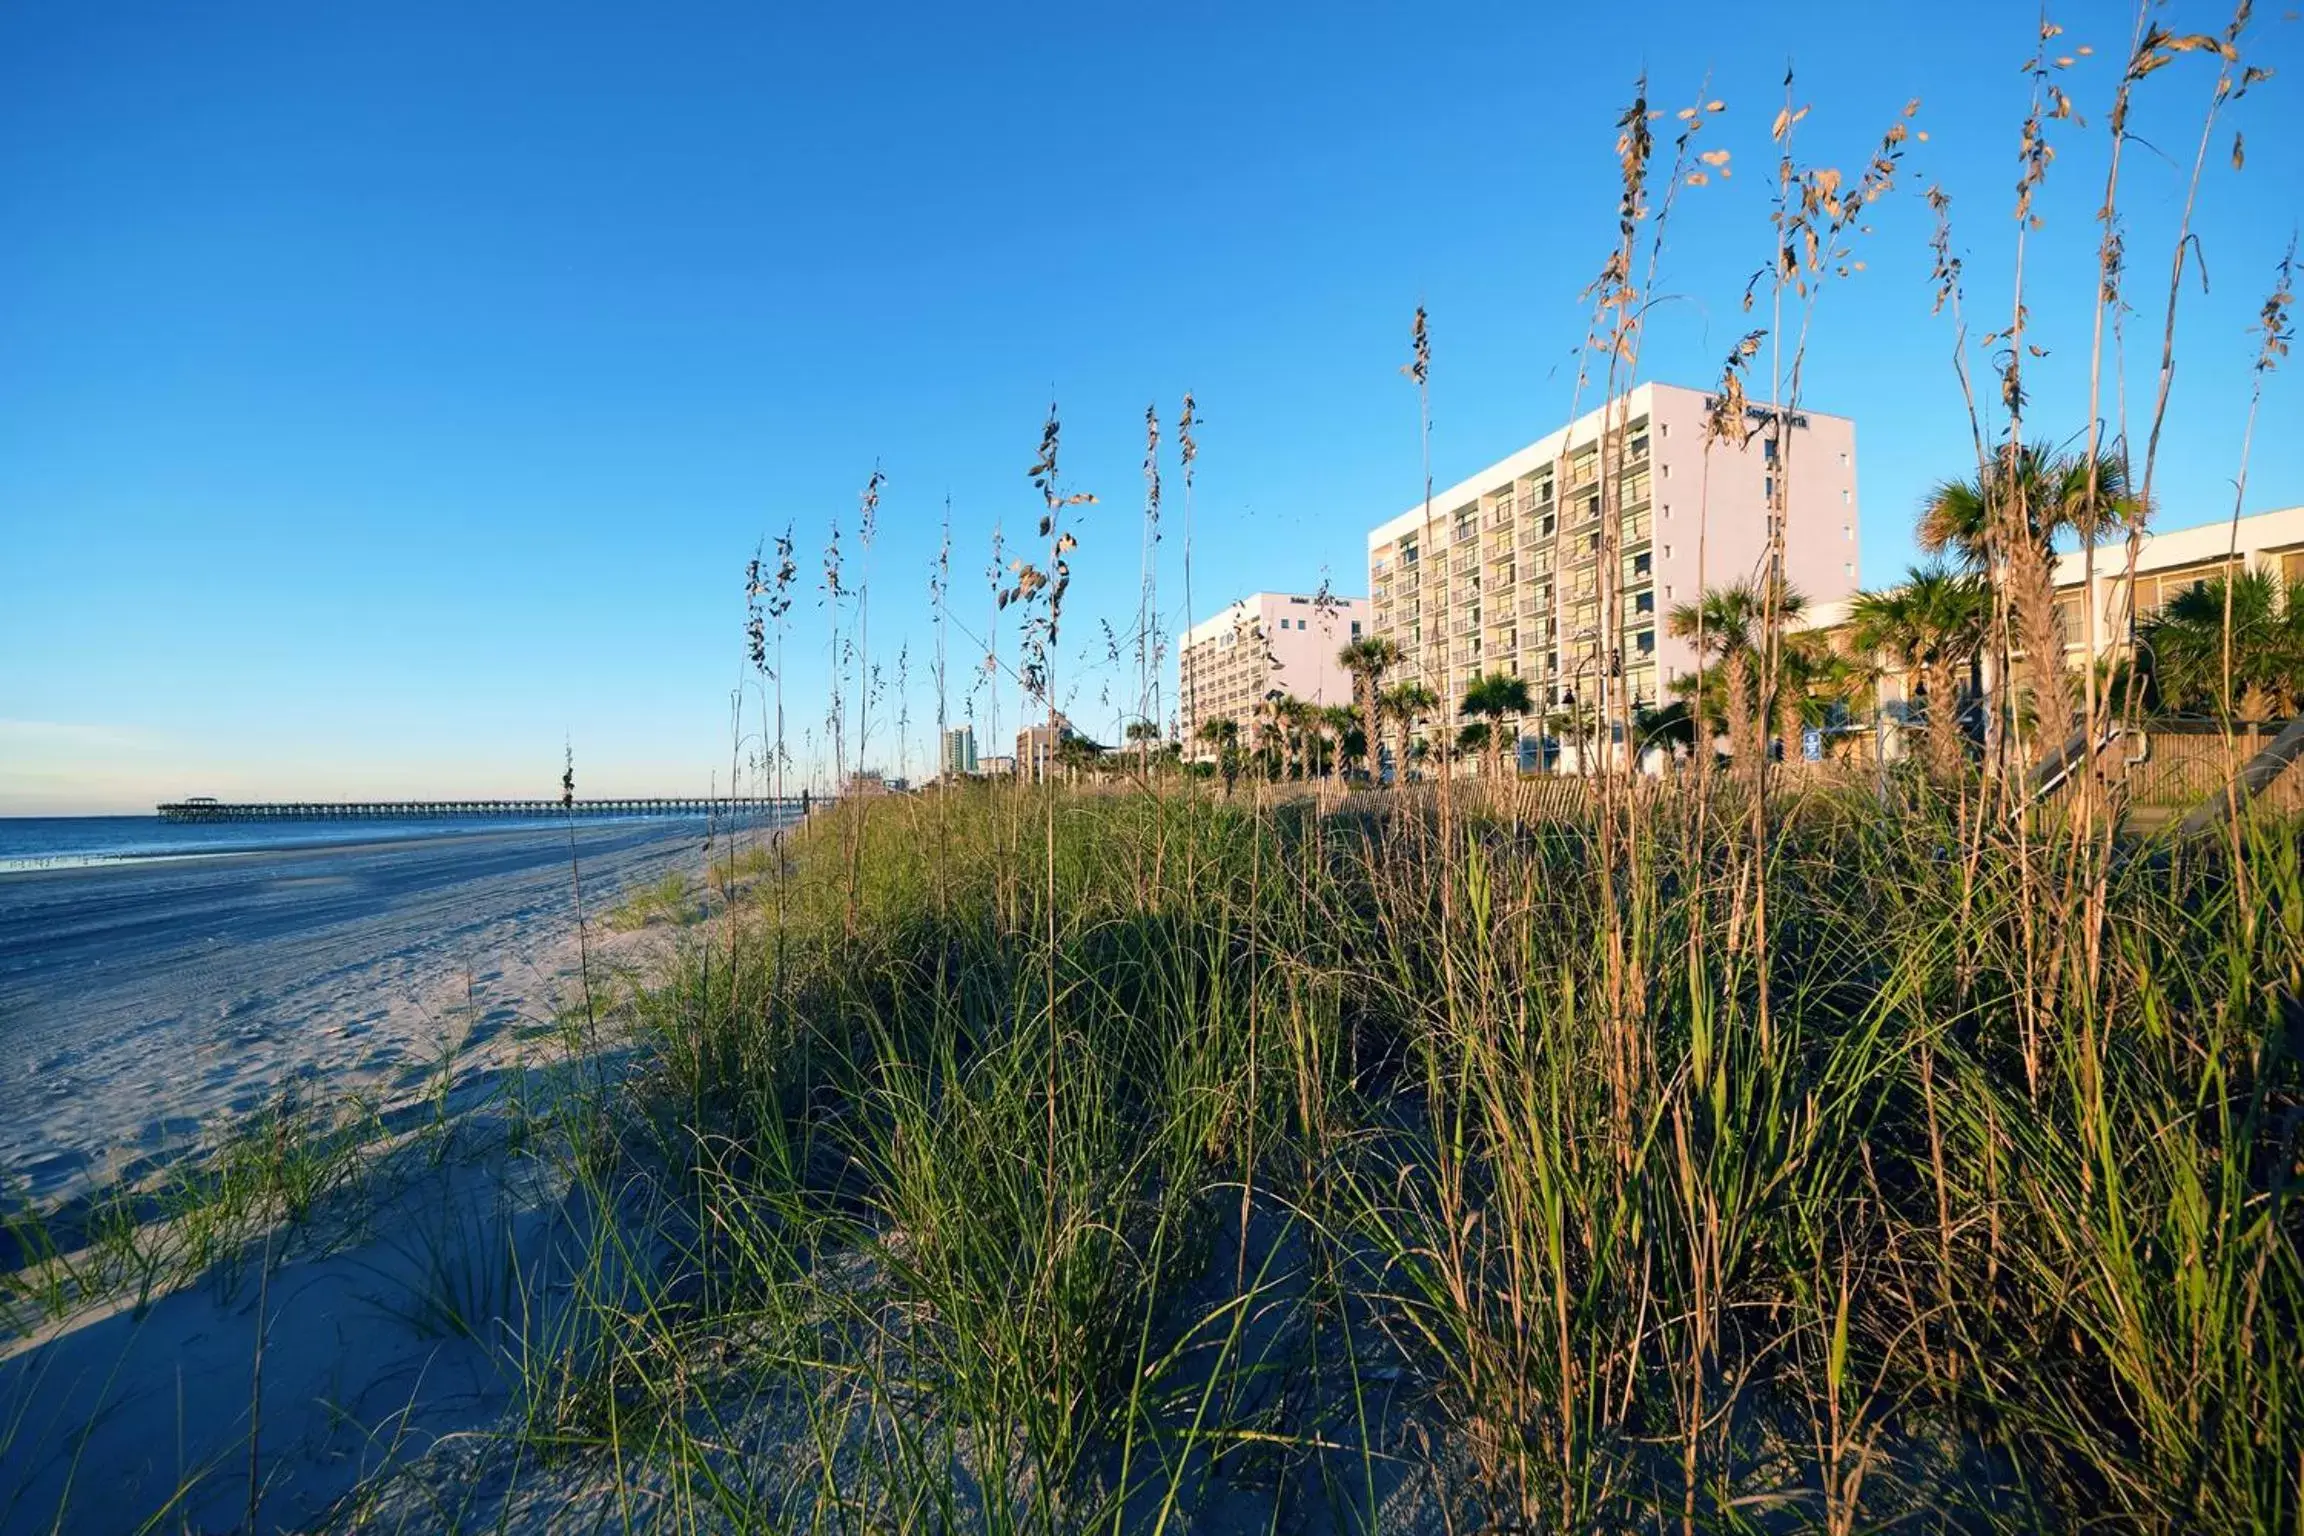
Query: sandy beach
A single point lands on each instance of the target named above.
(145, 1009)
(142, 1001)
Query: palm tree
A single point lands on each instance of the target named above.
(1143, 735)
(1077, 755)
(2184, 642)
(1670, 727)
(1496, 697)
(1272, 734)
(1368, 659)
(1224, 736)
(1335, 723)
(1730, 621)
(1817, 682)
(1288, 730)
(1404, 704)
(1956, 515)
(1933, 625)
(2010, 515)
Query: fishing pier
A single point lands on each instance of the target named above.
(722, 807)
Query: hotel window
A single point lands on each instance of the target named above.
(1355, 629)
(1645, 602)
(1645, 642)
(2069, 624)
(1767, 450)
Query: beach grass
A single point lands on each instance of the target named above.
(1380, 1196)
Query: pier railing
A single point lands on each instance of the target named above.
(436, 810)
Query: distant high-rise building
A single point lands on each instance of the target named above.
(959, 754)
(1272, 642)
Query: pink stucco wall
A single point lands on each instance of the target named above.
(1305, 651)
(1711, 512)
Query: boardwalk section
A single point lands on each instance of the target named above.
(446, 810)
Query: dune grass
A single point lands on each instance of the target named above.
(1407, 1184)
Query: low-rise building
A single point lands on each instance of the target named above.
(2167, 562)
(1039, 749)
(1271, 642)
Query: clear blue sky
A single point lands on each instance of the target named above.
(388, 393)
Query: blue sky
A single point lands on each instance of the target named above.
(389, 394)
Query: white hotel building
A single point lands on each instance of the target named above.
(1501, 572)
(1271, 642)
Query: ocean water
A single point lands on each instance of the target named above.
(68, 842)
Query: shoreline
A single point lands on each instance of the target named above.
(73, 863)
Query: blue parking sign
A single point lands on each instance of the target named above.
(1812, 744)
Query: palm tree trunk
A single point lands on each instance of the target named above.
(1943, 724)
(2043, 640)
(1369, 736)
(1738, 684)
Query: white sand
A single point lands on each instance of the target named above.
(145, 1006)
(141, 1002)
